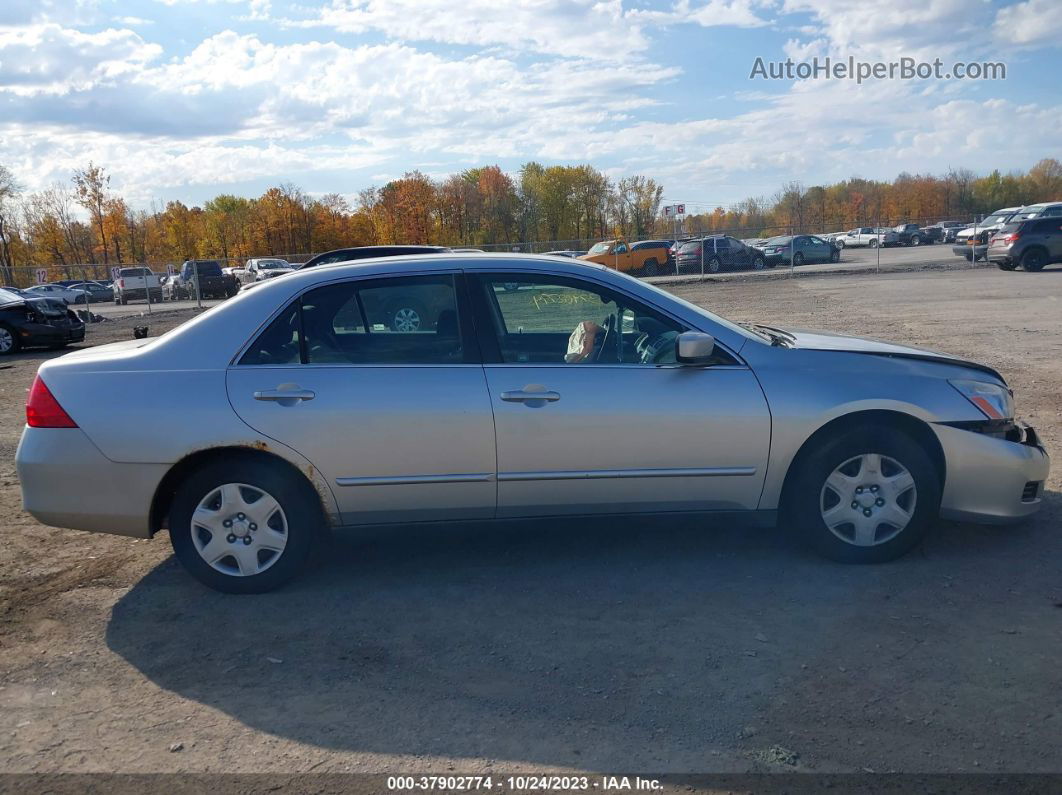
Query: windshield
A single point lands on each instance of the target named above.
(274, 264)
(600, 248)
(992, 220)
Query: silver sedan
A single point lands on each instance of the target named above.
(457, 387)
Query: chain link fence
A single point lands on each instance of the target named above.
(23, 276)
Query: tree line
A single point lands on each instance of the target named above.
(85, 221)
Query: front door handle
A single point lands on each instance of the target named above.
(285, 394)
(532, 395)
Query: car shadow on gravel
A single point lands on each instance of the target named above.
(647, 644)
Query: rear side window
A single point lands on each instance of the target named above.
(405, 320)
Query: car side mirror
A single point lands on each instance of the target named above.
(694, 348)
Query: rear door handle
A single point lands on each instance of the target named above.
(530, 397)
(285, 397)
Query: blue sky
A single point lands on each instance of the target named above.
(185, 99)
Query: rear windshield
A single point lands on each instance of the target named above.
(134, 272)
(206, 268)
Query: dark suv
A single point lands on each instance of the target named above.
(1032, 244)
(716, 253)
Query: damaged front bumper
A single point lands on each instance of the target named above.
(994, 477)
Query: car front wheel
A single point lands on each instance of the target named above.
(868, 496)
(244, 525)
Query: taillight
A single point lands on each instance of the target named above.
(1011, 238)
(121, 283)
(43, 410)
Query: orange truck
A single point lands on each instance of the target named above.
(645, 257)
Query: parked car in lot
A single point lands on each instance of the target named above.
(646, 257)
(1033, 244)
(718, 253)
(871, 237)
(990, 224)
(137, 283)
(259, 269)
(28, 322)
(544, 401)
(1042, 210)
(96, 292)
(799, 250)
(837, 238)
(910, 235)
(369, 252)
(205, 276)
(944, 231)
(170, 287)
(69, 295)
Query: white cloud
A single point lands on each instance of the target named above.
(49, 59)
(1032, 22)
(597, 29)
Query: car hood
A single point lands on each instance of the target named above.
(50, 307)
(828, 341)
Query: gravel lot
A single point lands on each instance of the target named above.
(603, 645)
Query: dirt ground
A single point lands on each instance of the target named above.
(606, 645)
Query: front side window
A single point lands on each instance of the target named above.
(404, 320)
(561, 321)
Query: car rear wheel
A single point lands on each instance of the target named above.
(9, 342)
(873, 243)
(798, 259)
(244, 526)
(868, 496)
(1007, 265)
(1034, 260)
(916, 241)
(713, 265)
(759, 263)
(650, 268)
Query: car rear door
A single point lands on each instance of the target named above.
(398, 421)
(585, 425)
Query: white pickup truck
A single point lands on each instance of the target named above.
(869, 236)
(134, 283)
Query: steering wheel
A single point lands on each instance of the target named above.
(607, 335)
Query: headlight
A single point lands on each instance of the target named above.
(995, 402)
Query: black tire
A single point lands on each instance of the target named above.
(1007, 265)
(713, 265)
(916, 241)
(839, 243)
(798, 259)
(804, 495)
(873, 243)
(11, 341)
(835, 255)
(650, 268)
(297, 500)
(1034, 260)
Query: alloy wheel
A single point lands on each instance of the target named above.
(406, 320)
(239, 530)
(7, 341)
(868, 500)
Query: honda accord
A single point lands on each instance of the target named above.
(578, 391)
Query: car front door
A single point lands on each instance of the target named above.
(592, 413)
(398, 421)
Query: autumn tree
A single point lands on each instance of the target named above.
(91, 184)
(9, 190)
